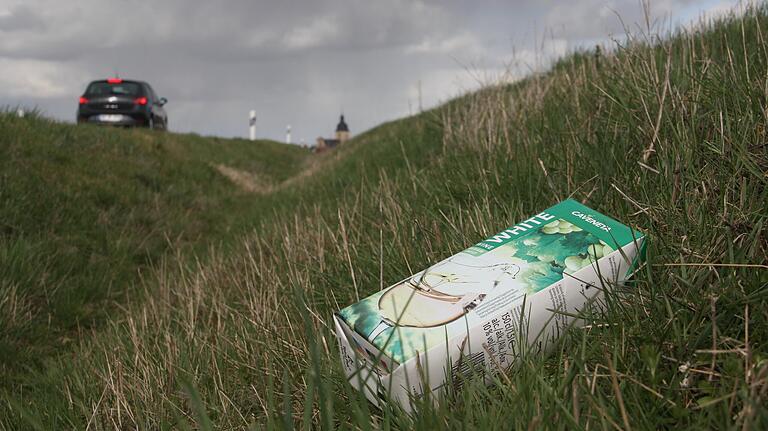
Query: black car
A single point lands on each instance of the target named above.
(122, 102)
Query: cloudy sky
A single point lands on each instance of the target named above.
(296, 62)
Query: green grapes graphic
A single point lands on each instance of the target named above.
(575, 262)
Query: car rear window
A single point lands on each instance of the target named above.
(105, 89)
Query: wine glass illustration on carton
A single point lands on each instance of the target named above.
(442, 293)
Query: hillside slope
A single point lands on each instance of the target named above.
(83, 210)
(670, 138)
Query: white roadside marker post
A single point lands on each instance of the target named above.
(288, 134)
(252, 124)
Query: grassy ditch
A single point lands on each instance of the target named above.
(668, 136)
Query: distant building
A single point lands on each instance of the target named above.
(342, 135)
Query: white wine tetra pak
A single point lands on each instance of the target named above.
(468, 314)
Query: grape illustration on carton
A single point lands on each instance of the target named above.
(474, 309)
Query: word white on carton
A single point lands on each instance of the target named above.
(470, 312)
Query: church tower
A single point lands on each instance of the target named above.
(342, 130)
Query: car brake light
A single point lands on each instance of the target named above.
(114, 81)
(83, 100)
(140, 101)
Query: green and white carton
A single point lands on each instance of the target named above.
(473, 311)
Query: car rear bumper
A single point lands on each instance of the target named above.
(114, 119)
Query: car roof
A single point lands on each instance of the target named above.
(123, 80)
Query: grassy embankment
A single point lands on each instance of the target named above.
(85, 211)
(670, 137)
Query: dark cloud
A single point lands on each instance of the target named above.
(297, 62)
(21, 18)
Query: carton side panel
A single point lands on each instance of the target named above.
(540, 319)
(493, 344)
